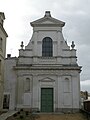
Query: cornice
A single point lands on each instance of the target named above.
(47, 68)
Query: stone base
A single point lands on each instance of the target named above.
(57, 110)
(28, 109)
(67, 110)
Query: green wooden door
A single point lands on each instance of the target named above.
(46, 99)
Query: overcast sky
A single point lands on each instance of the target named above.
(75, 13)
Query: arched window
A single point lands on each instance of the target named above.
(47, 47)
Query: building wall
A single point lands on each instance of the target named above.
(3, 36)
(10, 81)
(66, 95)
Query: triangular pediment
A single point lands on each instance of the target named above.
(47, 21)
(47, 79)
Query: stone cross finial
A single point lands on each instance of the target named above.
(22, 45)
(73, 45)
(47, 14)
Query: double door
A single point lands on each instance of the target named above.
(46, 99)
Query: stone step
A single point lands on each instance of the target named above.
(4, 116)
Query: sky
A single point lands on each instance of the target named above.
(75, 14)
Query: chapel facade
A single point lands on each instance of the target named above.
(45, 76)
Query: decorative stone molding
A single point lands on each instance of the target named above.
(47, 79)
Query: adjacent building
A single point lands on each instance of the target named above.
(3, 36)
(45, 76)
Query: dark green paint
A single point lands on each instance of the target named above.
(46, 99)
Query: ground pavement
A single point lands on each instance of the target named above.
(75, 116)
(51, 116)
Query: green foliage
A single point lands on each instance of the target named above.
(21, 116)
(15, 115)
(27, 113)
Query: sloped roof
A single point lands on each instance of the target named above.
(47, 20)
